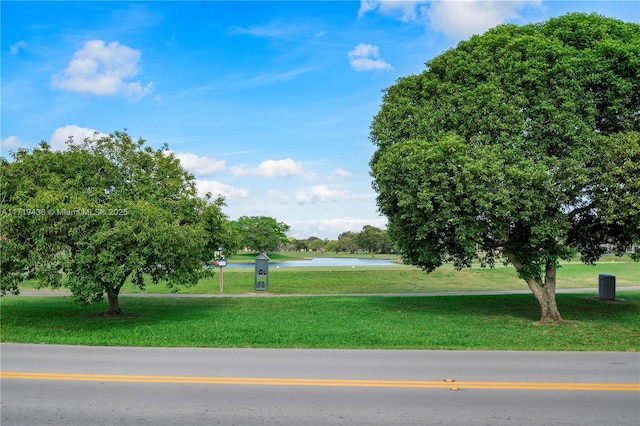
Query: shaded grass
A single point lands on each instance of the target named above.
(461, 322)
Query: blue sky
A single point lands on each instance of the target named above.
(267, 103)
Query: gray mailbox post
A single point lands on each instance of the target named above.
(261, 281)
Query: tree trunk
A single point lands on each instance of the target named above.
(544, 291)
(114, 305)
(112, 295)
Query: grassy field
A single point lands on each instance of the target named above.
(506, 322)
(388, 279)
(399, 279)
(445, 322)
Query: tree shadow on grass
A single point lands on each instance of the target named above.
(580, 307)
(297, 321)
(148, 311)
(160, 310)
(517, 306)
(45, 312)
(573, 307)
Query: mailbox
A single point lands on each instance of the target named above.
(261, 280)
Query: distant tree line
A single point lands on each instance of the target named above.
(266, 234)
(369, 240)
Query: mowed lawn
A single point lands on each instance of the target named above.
(506, 322)
(391, 279)
(399, 279)
(300, 320)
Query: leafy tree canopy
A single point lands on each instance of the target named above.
(524, 141)
(261, 233)
(373, 240)
(102, 211)
(347, 242)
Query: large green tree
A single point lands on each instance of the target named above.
(524, 141)
(347, 242)
(104, 210)
(261, 233)
(373, 240)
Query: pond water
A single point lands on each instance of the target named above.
(321, 261)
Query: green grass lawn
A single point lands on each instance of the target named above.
(506, 322)
(391, 279)
(398, 279)
(444, 322)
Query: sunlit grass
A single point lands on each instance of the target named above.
(445, 322)
(394, 279)
(399, 279)
(340, 321)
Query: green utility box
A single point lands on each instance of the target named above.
(261, 281)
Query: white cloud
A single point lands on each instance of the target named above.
(462, 19)
(264, 79)
(278, 197)
(11, 143)
(102, 70)
(320, 193)
(15, 48)
(405, 9)
(241, 82)
(367, 6)
(458, 19)
(271, 169)
(216, 188)
(331, 228)
(62, 134)
(275, 29)
(366, 57)
(340, 173)
(280, 29)
(200, 166)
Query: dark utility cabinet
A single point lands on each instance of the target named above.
(606, 287)
(261, 281)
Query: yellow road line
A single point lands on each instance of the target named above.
(620, 387)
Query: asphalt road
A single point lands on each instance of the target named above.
(67, 385)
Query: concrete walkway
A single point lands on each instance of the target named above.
(267, 294)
